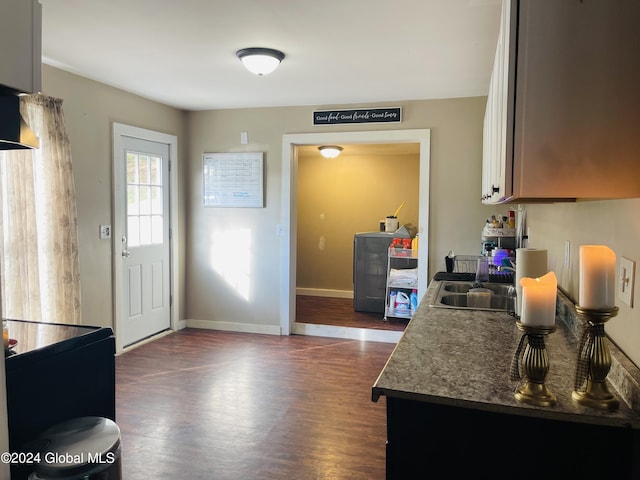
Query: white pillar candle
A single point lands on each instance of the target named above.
(597, 277)
(539, 300)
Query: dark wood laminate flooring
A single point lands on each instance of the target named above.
(201, 404)
(339, 311)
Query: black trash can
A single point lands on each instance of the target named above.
(82, 448)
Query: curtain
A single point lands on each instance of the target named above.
(39, 271)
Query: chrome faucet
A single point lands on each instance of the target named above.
(512, 301)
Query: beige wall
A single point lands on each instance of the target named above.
(90, 108)
(342, 196)
(232, 257)
(614, 223)
(250, 299)
(456, 215)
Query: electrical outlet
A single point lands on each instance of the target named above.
(626, 277)
(105, 231)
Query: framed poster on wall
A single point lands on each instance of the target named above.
(233, 179)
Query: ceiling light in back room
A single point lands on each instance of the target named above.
(260, 61)
(330, 151)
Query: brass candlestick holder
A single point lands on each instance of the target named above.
(534, 362)
(594, 361)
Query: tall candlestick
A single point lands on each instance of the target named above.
(597, 277)
(539, 300)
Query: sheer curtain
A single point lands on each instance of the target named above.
(39, 271)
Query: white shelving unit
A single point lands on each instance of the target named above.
(400, 259)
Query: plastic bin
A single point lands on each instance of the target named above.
(82, 448)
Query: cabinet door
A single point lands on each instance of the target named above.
(577, 99)
(497, 139)
(21, 55)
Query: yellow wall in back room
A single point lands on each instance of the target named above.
(343, 196)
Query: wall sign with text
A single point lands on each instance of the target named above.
(360, 115)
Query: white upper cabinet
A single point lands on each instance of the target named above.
(497, 139)
(563, 109)
(21, 40)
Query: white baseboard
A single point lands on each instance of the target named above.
(331, 331)
(234, 326)
(351, 333)
(324, 292)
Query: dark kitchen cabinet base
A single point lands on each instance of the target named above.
(424, 438)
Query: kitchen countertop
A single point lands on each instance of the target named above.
(462, 358)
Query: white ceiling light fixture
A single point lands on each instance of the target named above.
(260, 61)
(330, 151)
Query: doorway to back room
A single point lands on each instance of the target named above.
(338, 198)
(292, 146)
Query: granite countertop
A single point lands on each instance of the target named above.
(462, 358)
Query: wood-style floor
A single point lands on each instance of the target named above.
(340, 312)
(201, 404)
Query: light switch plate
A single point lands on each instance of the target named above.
(626, 280)
(105, 231)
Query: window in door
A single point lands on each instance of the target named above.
(144, 199)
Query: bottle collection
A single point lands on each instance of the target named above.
(402, 293)
(402, 304)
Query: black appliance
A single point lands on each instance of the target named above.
(14, 132)
(370, 256)
(55, 373)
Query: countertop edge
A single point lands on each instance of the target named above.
(547, 414)
(624, 377)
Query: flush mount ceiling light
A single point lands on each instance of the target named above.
(260, 61)
(330, 151)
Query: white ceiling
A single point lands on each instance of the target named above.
(182, 53)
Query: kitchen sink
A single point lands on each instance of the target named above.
(464, 287)
(496, 302)
(492, 296)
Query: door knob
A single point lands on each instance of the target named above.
(125, 252)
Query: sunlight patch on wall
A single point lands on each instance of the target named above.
(231, 258)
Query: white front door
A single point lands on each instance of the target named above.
(145, 240)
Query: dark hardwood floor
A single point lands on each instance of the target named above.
(201, 404)
(339, 311)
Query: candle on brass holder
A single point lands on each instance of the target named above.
(534, 363)
(594, 361)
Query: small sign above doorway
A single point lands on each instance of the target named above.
(359, 115)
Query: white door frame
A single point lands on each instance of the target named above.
(288, 224)
(119, 131)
